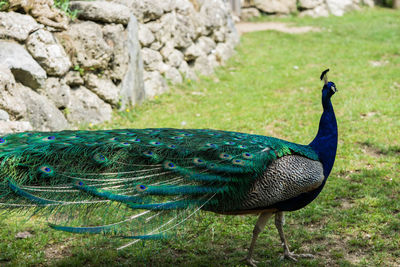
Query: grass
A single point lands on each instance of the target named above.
(356, 219)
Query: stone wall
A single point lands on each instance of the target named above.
(313, 8)
(182, 38)
(56, 73)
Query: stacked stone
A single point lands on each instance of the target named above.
(313, 8)
(54, 74)
(182, 38)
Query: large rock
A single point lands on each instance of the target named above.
(48, 52)
(57, 91)
(146, 37)
(215, 13)
(172, 56)
(84, 42)
(4, 116)
(223, 52)
(339, 7)
(87, 107)
(184, 31)
(103, 88)
(249, 13)
(187, 71)
(41, 112)
(73, 79)
(116, 38)
(132, 86)
(154, 84)
(247, 3)
(309, 4)
(25, 69)
(206, 44)
(16, 26)
(173, 75)
(319, 11)
(276, 6)
(10, 97)
(15, 126)
(194, 51)
(153, 60)
(101, 11)
(202, 65)
(146, 10)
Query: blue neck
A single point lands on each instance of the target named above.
(325, 143)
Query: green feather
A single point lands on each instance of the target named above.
(168, 173)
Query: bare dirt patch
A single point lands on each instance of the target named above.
(244, 27)
(58, 251)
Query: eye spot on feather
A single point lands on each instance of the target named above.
(198, 161)
(238, 162)
(247, 155)
(2, 140)
(242, 146)
(211, 165)
(177, 137)
(225, 156)
(141, 187)
(51, 137)
(46, 170)
(99, 158)
(155, 143)
(148, 154)
(130, 133)
(125, 144)
(230, 143)
(136, 140)
(170, 165)
(171, 146)
(211, 145)
(79, 183)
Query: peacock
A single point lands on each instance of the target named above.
(140, 184)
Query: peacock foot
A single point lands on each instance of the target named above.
(292, 256)
(250, 262)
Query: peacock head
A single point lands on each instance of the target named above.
(329, 88)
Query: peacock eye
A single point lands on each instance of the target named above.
(141, 187)
(148, 153)
(225, 156)
(198, 161)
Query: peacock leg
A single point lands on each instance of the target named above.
(279, 222)
(260, 225)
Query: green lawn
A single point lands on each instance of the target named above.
(272, 87)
